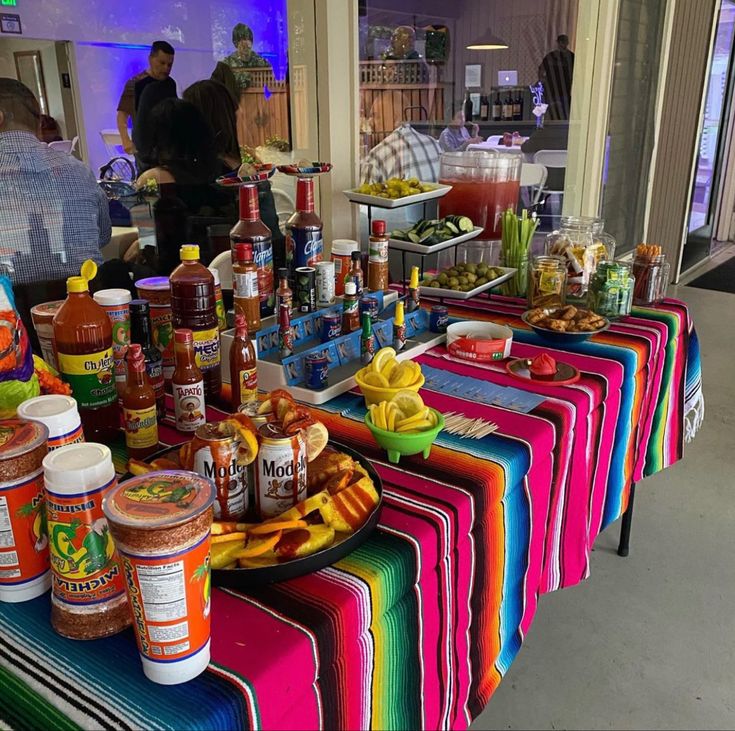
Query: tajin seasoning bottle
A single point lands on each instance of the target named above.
(139, 407)
(187, 384)
(243, 365)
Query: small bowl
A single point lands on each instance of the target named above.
(376, 394)
(404, 445)
(554, 336)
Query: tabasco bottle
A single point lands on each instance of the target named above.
(304, 240)
(83, 345)
(193, 306)
(140, 332)
(187, 384)
(139, 408)
(245, 285)
(251, 230)
(243, 366)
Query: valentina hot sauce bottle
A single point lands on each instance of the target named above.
(251, 230)
(304, 239)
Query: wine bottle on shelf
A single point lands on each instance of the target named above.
(508, 108)
(484, 108)
(467, 106)
(497, 108)
(517, 102)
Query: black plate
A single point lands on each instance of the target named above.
(554, 336)
(257, 576)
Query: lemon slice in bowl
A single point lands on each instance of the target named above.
(372, 378)
(409, 402)
(382, 357)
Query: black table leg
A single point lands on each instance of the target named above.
(626, 524)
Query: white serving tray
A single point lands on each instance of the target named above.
(374, 200)
(437, 292)
(424, 249)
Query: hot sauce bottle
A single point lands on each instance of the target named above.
(243, 365)
(245, 285)
(139, 408)
(355, 273)
(285, 331)
(284, 293)
(399, 328)
(413, 290)
(350, 309)
(187, 384)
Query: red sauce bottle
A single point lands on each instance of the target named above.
(246, 299)
(243, 365)
(187, 384)
(139, 408)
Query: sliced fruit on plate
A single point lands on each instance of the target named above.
(222, 554)
(305, 507)
(348, 509)
(304, 541)
(276, 525)
(258, 546)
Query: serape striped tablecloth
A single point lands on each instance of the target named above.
(417, 627)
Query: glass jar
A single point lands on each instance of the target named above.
(581, 242)
(517, 285)
(651, 279)
(611, 289)
(547, 281)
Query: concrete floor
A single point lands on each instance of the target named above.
(648, 641)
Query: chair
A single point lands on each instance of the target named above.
(62, 145)
(533, 175)
(223, 264)
(552, 159)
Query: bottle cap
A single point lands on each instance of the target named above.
(350, 288)
(89, 269)
(139, 307)
(305, 195)
(344, 247)
(189, 252)
(283, 273)
(414, 283)
(78, 468)
(77, 284)
(112, 297)
(183, 335)
(379, 227)
(356, 256)
(399, 318)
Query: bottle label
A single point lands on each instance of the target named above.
(83, 557)
(248, 385)
(349, 306)
(206, 348)
(74, 436)
(245, 285)
(154, 369)
(378, 250)
(304, 247)
(90, 377)
(141, 428)
(189, 405)
(219, 307)
(263, 258)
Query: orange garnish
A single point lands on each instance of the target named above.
(276, 525)
(258, 548)
(227, 537)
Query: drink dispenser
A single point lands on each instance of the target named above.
(484, 184)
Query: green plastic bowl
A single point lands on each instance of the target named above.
(404, 445)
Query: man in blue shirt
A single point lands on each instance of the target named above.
(53, 213)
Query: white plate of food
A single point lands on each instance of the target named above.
(428, 236)
(425, 192)
(502, 274)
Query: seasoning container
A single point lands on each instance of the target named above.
(88, 598)
(285, 331)
(243, 365)
(60, 415)
(611, 289)
(547, 281)
(219, 301)
(139, 408)
(158, 293)
(355, 273)
(651, 272)
(284, 293)
(367, 339)
(24, 555)
(280, 472)
(160, 523)
(140, 334)
(305, 289)
(316, 371)
(43, 321)
(116, 303)
(342, 257)
(325, 283)
(378, 257)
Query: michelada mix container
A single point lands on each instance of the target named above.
(60, 415)
(161, 524)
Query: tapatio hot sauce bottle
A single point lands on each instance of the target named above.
(187, 384)
(139, 408)
(83, 343)
(243, 365)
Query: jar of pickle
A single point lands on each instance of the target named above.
(582, 243)
(611, 289)
(651, 272)
(547, 281)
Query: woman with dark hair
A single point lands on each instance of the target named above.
(152, 95)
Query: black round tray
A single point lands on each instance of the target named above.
(245, 578)
(554, 336)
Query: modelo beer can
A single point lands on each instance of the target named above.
(250, 409)
(325, 283)
(316, 370)
(438, 319)
(305, 294)
(281, 471)
(331, 326)
(216, 459)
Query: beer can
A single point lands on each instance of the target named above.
(216, 459)
(305, 294)
(331, 326)
(371, 306)
(325, 283)
(285, 331)
(281, 471)
(316, 370)
(250, 409)
(438, 319)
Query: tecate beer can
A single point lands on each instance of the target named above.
(285, 331)
(216, 459)
(371, 306)
(438, 319)
(331, 326)
(305, 294)
(325, 283)
(281, 471)
(316, 371)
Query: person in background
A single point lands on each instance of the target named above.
(244, 57)
(402, 45)
(53, 213)
(456, 137)
(153, 94)
(555, 72)
(160, 63)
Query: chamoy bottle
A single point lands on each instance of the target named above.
(139, 408)
(243, 365)
(355, 273)
(83, 344)
(413, 291)
(378, 258)
(187, 384)
(140, 333)
(304, 239)
(399, 328)
(350, 309)
(193, 306)
(245, 285)
(251, 230)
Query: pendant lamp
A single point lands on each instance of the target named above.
(488, 41)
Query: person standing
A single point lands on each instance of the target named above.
(555, 72)
(160, 63)
(244, 57)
